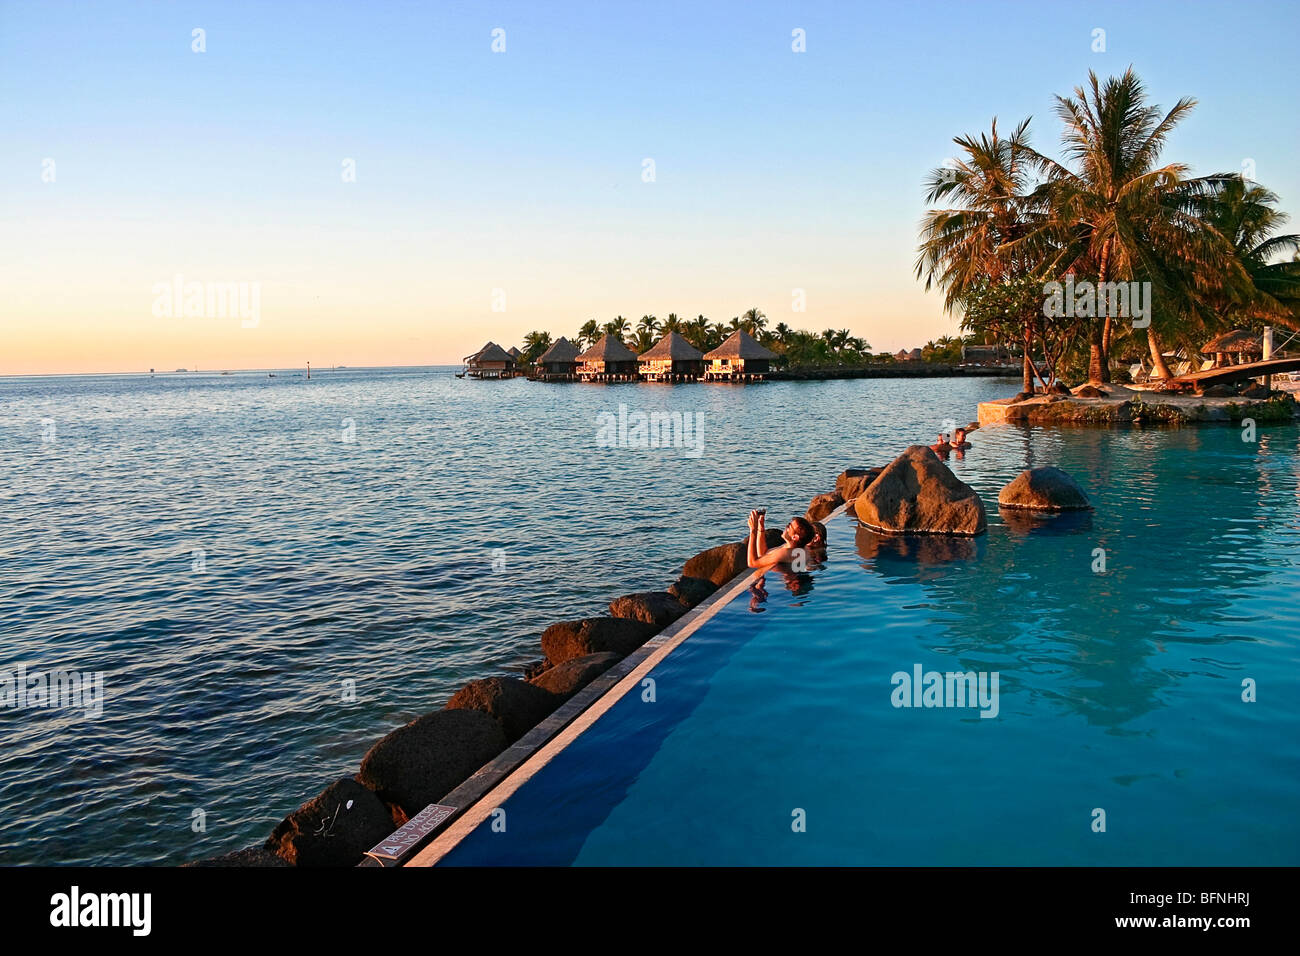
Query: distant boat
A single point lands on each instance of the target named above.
(270, 375)
(225, 373)
(182, 370)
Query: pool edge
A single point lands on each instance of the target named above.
(498, 780)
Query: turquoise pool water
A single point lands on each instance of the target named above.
(1119, 690)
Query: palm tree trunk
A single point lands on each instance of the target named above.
(1099, 350)
(1097, 362)
(1158, 363)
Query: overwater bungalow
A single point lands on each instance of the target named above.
(739, 359)
(515, 354)
(559, 363)
(1237, 347)
(491, 361)
(672, 359)
(609, 360)
(903, 355)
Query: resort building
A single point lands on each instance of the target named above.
(1237, 347)
(609, 360)
(987, 355)
(672, 359)
(739, 359)
(903, 355)
(515, 354)
(559, 363)
(491, 361)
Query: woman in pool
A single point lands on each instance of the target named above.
(799, 533)
(959, 440)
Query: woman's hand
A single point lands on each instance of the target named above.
(755, 520)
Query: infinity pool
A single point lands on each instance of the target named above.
(773, 738)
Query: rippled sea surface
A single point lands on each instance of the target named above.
(228, 560)
(1126, 643)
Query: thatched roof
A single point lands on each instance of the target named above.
(672, 347)
(608, 349)
(740, 344)
(490, 353)
(514, 352)
(561, 350)
(1238, 340)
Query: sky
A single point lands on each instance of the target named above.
(385, 188)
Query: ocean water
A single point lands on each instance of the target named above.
(773, 737)
(230, 550)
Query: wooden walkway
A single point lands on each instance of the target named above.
(1235, 373)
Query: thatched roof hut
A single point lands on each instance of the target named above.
(1237, 347)
(491, 361)
(561, 351)
(559, 362)
(608, 359)
(740, 356)
(514, 353)
(672, 357)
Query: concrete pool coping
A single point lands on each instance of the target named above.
(498, 780)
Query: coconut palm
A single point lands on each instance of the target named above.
(753, 322)
(782, 332)
(982, 232)
(649, 325)
(1116, 214)
(535, 343)
(673, 323)
(1246, 214)
(617, 327)
(588, 334)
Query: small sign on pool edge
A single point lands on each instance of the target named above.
(411, 832)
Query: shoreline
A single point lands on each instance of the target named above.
(1122, 405)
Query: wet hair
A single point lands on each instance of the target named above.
(806, 530)
(820, 530)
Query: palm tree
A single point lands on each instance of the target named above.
(717, 335)
(588, 334)
(643, 340)
(673, 323)
(617, 327)
(1119, 216)
(782, 332)
(1247, 216)
(649, 325)
(535, 343)
(979, 237)
(753, 321)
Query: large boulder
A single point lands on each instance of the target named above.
(822, 505)
(691, 591)
(653, 607)
(719, 565)
(1090, 391)
(335, 828)
(593, 635)
(422, 762)
(515, 704)
(1043, 489)
(249, 856)
(917, 494)
(853, 481)
(1218, 391)
(565, 680)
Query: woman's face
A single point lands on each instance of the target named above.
(791, 533)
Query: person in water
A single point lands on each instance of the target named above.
(959, 439)
(798, 534)
(941, 446)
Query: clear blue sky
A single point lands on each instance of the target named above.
(522, 170)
